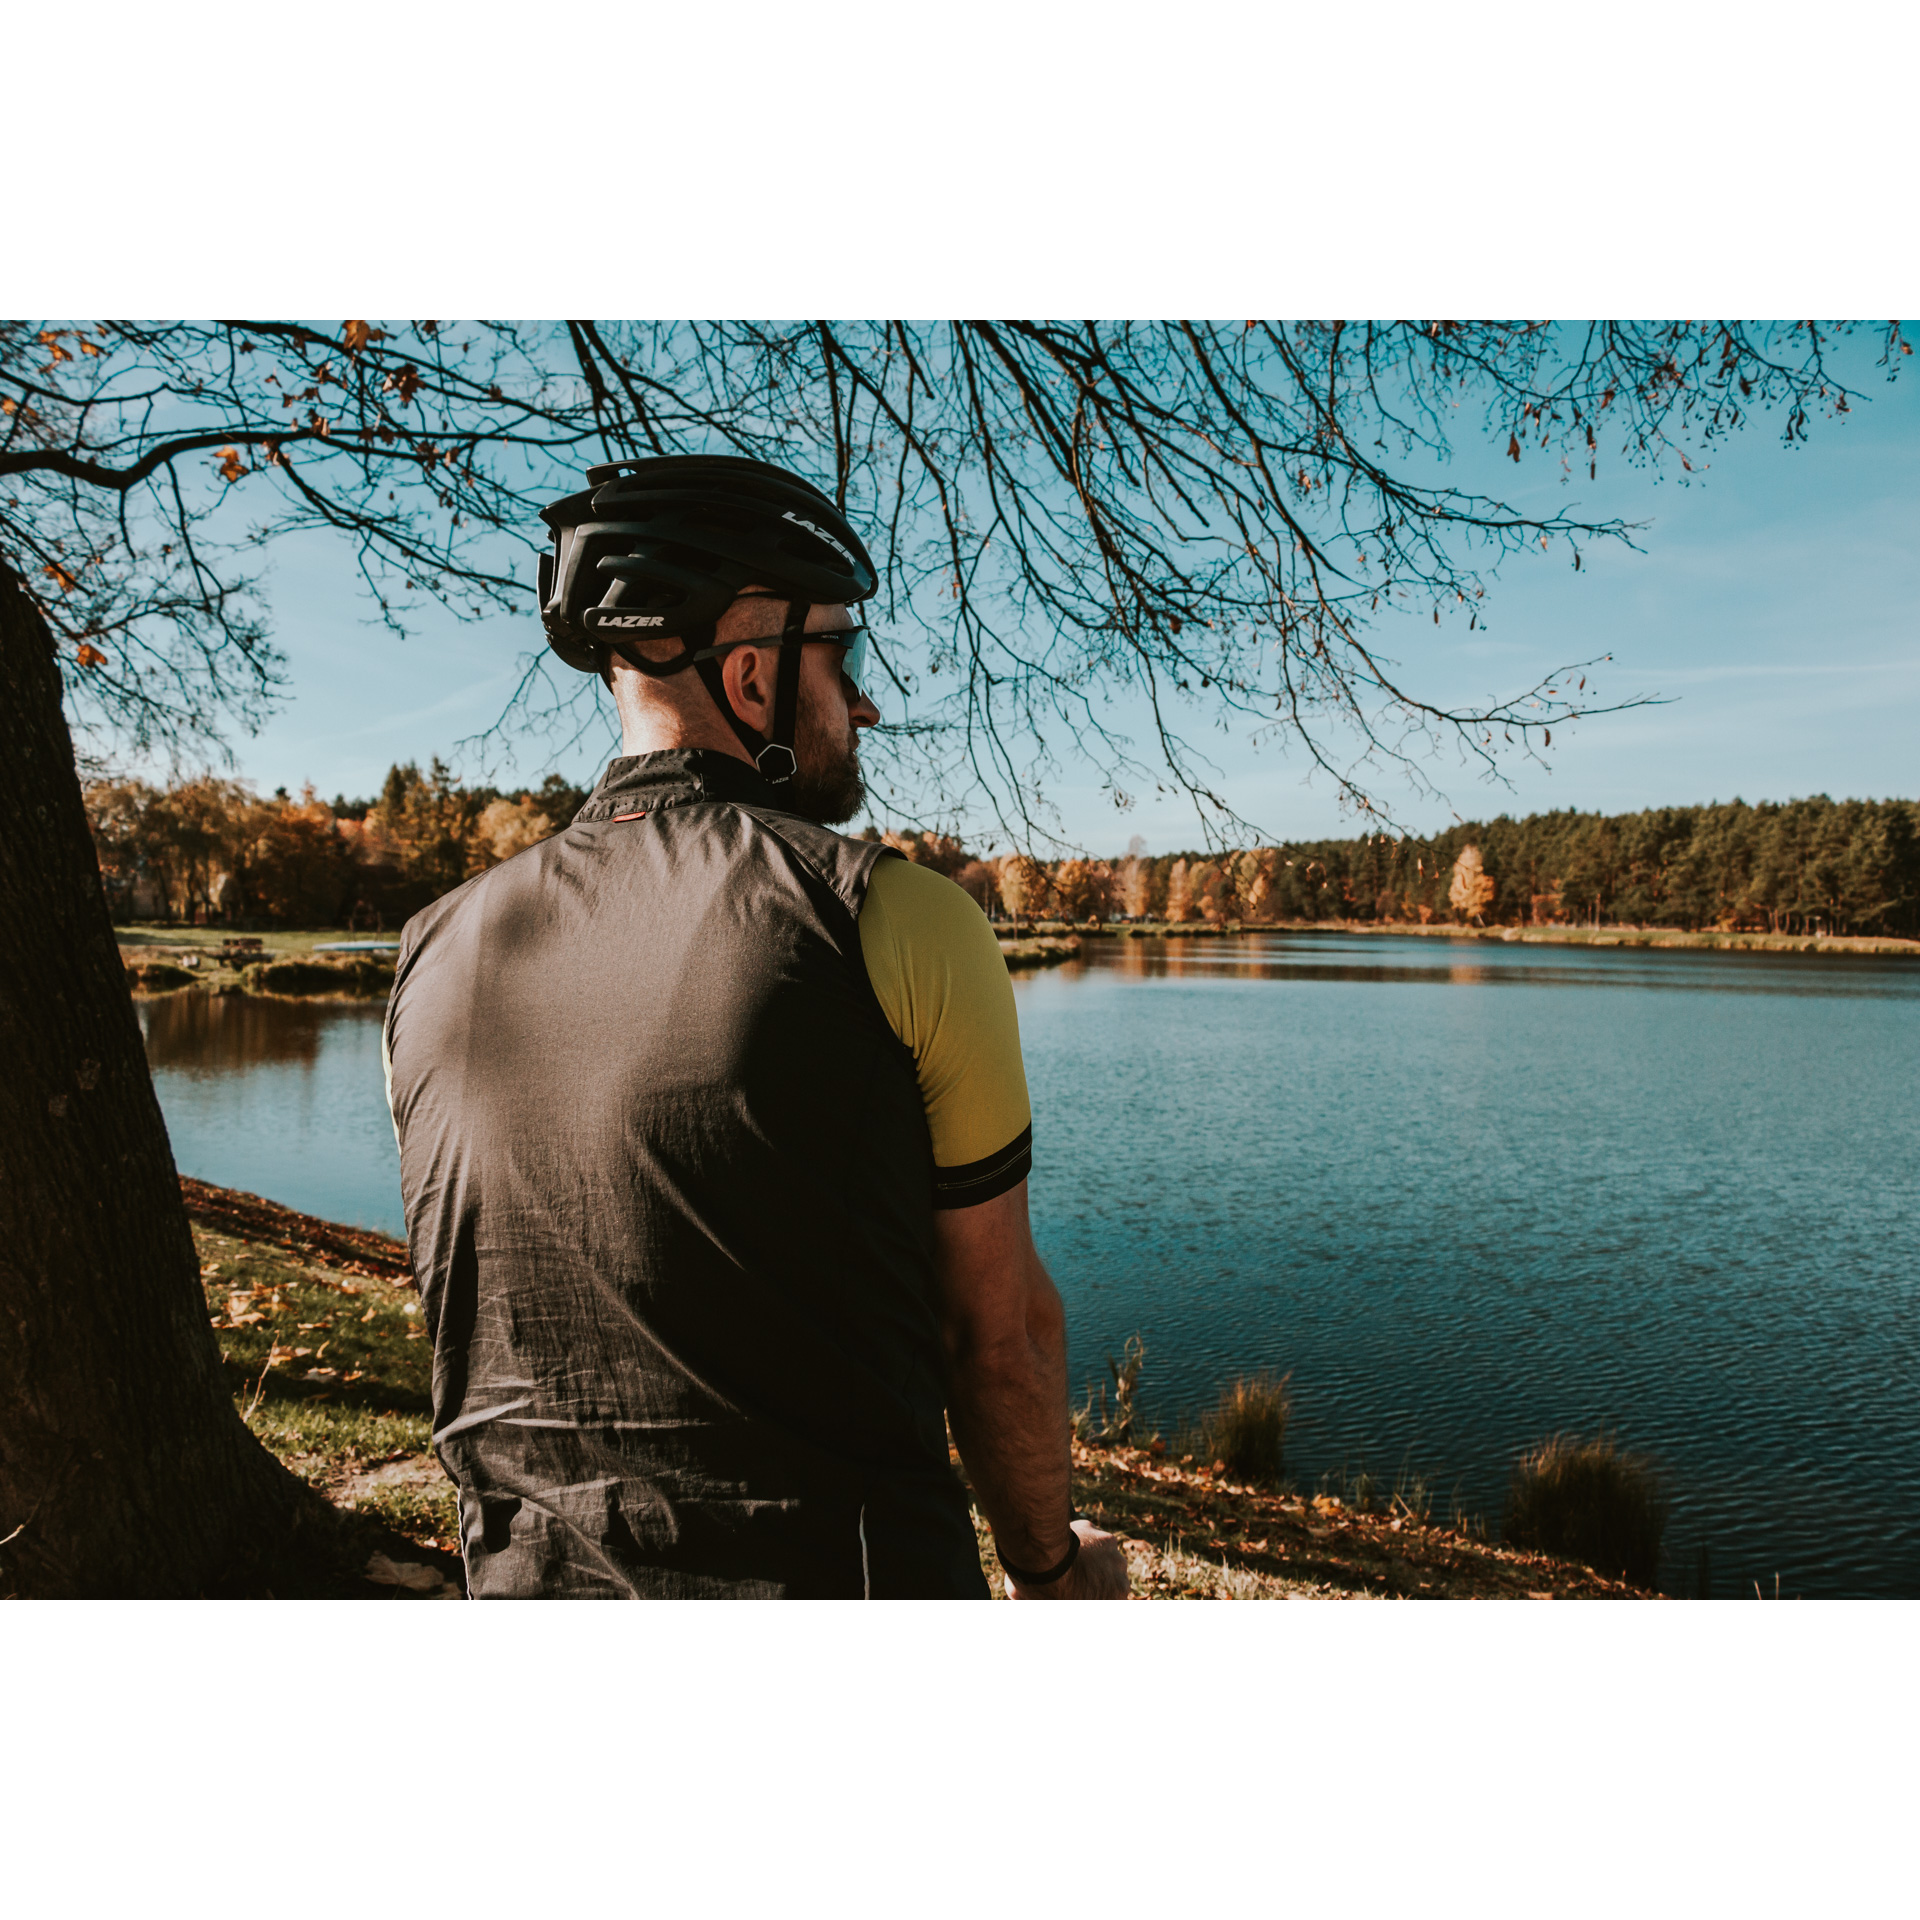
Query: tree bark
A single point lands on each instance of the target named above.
(124, 1467)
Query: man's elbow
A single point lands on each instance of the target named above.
(1046, 1312)
(1010, 1333)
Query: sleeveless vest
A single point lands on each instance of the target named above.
(668, 1189)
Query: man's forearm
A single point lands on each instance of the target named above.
(1006, 1337)
(1008, 1405)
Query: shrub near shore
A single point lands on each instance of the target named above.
(1247, 1431)
(354, 975)
(1589, 1500)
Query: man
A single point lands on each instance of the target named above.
(713, 1130)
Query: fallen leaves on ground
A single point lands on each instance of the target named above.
(1192, 1533)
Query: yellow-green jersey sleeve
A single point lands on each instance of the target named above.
(940, 979)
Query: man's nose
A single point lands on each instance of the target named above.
(861, 711)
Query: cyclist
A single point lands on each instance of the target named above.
(714, 1136)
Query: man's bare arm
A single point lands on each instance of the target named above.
(1006, 1344)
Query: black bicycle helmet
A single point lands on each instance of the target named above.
(660, 548)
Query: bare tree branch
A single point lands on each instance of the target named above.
(1205, 519)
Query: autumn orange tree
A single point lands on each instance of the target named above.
(1206, 517)
(1470, 892)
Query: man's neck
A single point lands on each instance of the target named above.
(663, 732)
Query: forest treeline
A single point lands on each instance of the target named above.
(1793, 866)
(207, 850)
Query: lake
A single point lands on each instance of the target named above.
(1467, 1194)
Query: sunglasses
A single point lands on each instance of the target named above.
(853, 661)
(853, 640)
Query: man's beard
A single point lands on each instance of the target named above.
(826, 786)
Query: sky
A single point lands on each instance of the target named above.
(1774, 608)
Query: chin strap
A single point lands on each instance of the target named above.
(716, 684)
(777, 761)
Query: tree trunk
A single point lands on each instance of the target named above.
(124, 1467)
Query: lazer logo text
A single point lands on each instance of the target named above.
(631, 620)
(820, 533)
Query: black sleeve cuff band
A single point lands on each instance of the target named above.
(985, 1179)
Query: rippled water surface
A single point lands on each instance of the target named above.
(1466, 1194)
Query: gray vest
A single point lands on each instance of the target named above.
(668, 1187)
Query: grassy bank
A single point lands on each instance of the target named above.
(1712, 941)
(163, 941)
(1042, 950)
(322, 1347)
(285, 965)
(1193, 1532)
(325, 1354)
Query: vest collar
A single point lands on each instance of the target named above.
(642, 782)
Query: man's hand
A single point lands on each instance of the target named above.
(1100, 1572)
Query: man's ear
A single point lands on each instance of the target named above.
(751, 675)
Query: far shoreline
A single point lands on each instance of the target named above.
(1024, 944)
(1670, 938)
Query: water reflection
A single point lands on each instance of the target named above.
(228, 1033)
(279, 1097)
(1413, 960)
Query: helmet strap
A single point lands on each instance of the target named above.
(777, 760)
(662, 669)
(715, 680)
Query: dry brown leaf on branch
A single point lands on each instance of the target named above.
(89, 656)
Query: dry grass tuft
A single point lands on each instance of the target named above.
(1587, 1500)
(1116, 1429)
(1247, 1429)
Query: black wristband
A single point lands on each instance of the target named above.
(1021, 1578)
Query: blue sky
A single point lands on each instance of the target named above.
(1775, 607)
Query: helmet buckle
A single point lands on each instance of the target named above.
(777, 764)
